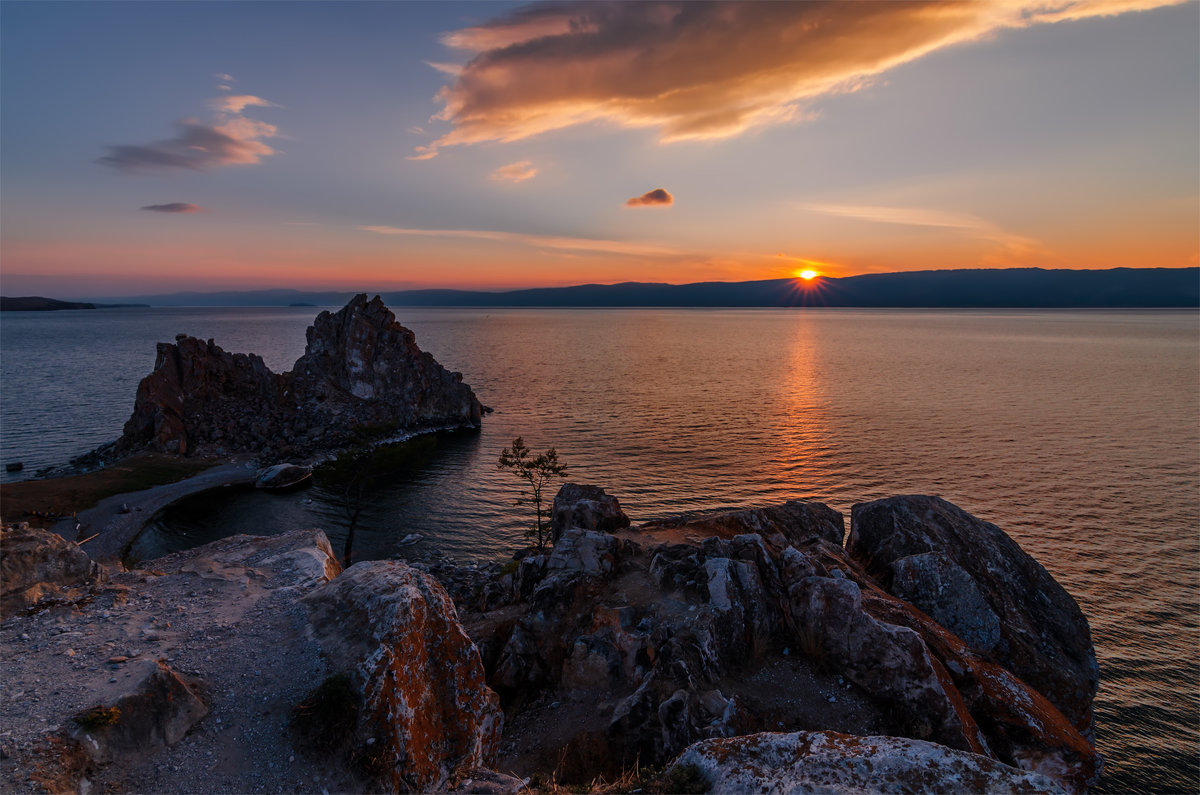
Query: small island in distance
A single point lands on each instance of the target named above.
(34, 303)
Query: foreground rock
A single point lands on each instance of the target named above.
(626, 647)
(804, 762)
(218, 628)
(154, 709)
(37, 567)
(428, 716)
(974, 580)
(360, 370)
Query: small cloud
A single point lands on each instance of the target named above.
(232, 139)
(224, 88)
(224, 78)
(197, 147)
(423, 153)
(659, 197)
(239, 102)
(515, 172)
(173, 207)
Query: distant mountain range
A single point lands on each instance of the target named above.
(1013, 287)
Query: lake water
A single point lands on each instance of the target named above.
(1076, 432)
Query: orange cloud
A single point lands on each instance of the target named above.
(659, 197)
(701, 70)
(232, 139)
(515, 172)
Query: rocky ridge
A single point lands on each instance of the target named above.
(361, 372)
(744, 650)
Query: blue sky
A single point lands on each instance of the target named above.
(845, 138)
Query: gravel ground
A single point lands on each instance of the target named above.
(229, 619)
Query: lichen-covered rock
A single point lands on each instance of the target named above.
(360, 369)
(585, 507)
(428, 717)
(805, 762)
(940, 587)
(37, 564)
(1044, 638)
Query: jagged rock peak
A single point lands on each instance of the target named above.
(360, 368)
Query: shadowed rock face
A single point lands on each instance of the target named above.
(969, 575)
(360, 368)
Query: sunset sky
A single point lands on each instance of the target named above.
(154, 146)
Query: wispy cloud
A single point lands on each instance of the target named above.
(965, 223)
(701, 70)
(173, 207)
(231, 138)
(536, 241)
(515, 172)
(659, 197)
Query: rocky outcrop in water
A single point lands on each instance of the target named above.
(361, 372)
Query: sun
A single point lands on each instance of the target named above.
(807, 275)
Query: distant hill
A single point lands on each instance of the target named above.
(1013, 287)
(38, 304)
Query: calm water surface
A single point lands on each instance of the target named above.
(1076, 432)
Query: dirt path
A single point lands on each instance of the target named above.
(114, 527)
(228, 616)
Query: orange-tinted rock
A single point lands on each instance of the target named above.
(428, 717)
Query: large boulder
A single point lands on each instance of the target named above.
(428, 717)
(585, 507)
(973, 577)
(36, 565)
(802, 762)
(361, 370)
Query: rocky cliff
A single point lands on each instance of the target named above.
(742, 651)
(361, 371)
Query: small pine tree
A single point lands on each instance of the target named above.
(537, 472)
